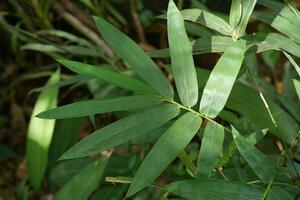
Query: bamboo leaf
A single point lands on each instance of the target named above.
(122, 131)
(82, 185)
(293, 62)
(118, 79)
(277, 193)
(221, 80)
(247, 7)
(40, 134)
(96, 106)
(207, 19)
(235, 13)
(181, 58)
(279, 23)
(285, 10)
(297, 87)
(65, 170)
(252, 139)
(165, 150)
(66, 134)
(211, 147)
(214, 190)
(255, 159)
(137, 59)
(213, 44)
(247, 101)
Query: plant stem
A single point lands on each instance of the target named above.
(188, 163)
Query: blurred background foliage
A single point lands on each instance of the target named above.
(33, 32)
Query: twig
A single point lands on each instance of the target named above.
(137, 22)
(83, 29)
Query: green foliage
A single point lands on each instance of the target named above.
(40, 133)
(234, 134)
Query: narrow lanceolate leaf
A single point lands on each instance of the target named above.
(81, 186)
(255, 159)
(118, 79)
(96, 106)
(213, 44)
(285, 10)
(247, 7)
(279, 23)
(214, 190)
(165, 150)
(252, 139)
(221, 80)
(40, 134)
(137, 59)
(181, 57)
(293, 62)
(297, 87)
(277, 193)
(122, 131)
(235, 13)
(66, 134)
(211, 147)
(207, 19)
(275, 40)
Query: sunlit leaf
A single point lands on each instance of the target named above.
(207, 19)
(181, 58)
(40, 134)
(221, 79)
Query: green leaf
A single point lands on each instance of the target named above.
(221, 80)
(235, 13)
(252, 139)
(293, 62)
(213, 44)
(197, 30)
(271, 58)
(277, 193)
(272, 40)
(247, 7)
(181, 58)
(165, 150)
(255, 159)
(279, 23)
(63, 171)
(297, 87)
(66, 134)
(82, 185)
(211, 147)
(96, 106)
(207, 19)
(285, 10)
(137, 59)
(40, 134)
(118, 79)
(247, 101)
(214, 190)
(122, 131)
